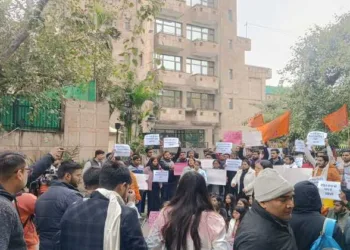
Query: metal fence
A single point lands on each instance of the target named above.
(19, 114)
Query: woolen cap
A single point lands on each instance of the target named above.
(270, 185)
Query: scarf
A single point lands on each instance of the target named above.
(241, 180)
(111, 238)
(324, 172)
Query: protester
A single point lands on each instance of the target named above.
(189, 167)
(13, 178)
(222, 161)
(307, 221)
(145, 158)
(51, 206)
(265, 226)
(339, 213)
(199, 170)
(325, 169)
(104, 222)
(153, 193)
(230, 204)
(289, 162)
(189, 221)
(96, 162)
(218, 206)
(167, 164)
(260, 166)
(26, 206)
(191, 155)
(215, 189)
(182, 157)
(244, 180)
(237, 217)
(275, 158)
(91, 180)
(313, 161)
(243, 203)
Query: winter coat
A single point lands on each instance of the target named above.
(260, 230)
(11, 229)
(50, 208)
(277, 162)
(148, 171)
(248, 180)
(341, 218)
(307, 221)
(87, 220)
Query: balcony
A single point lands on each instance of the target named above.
(172, 78)
(172, 115)
(205, 48)
(259, 72)
(206, 117)
(173, 8)
(168, 42)
(203, 81)
(244, 43)
(205, 15)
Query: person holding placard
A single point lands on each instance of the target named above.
(328, 152)
(197, 168)
(216, 189)
(153, 193)
(167, 163)
(244, 180)
(145, 158)
(289, 162)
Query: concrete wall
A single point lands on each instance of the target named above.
(86, 125)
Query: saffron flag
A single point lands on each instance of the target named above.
(338, 120)
(276, 128)
(256, 121)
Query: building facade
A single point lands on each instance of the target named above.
(207, 87)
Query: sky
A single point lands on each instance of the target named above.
(274, 26)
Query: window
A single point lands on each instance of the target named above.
(230, 16)
(200, 101)
(127, 24)
(170, 99)
(230, 74)
(230, 43)
(230, 103)
(209, 3)
(194, 66)
(199, 33)
(169, 62)
(194, 138)
(168, 27)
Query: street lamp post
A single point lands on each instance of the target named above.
(117, 127)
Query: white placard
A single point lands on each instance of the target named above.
(142, 181)
(160, 176)
(252, 138)
(316, 180)
(329, 190)
(171, 142)
(299, 146)
(216, 177)
(224, 147)
(122, 150)
(207, 163)
(294, 175)
(299, 161)
(316, 138)
(233, 165)
(151, 140)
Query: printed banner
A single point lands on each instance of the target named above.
(216, 177)
(299, 146)
(160, 176)
(171, 142)
(316, 180)
(122, 150)
(233, 165)
(316, 138)
(329, 190)
(224, 147)
(151, 140)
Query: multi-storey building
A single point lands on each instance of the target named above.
(208, 89)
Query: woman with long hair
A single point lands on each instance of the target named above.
(189, 221)
(199, 170)
(190, 166)
(153, 193)
(243, 203)
(218, 206)
(237, 217)
(230, 204)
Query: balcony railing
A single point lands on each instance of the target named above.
(170, 42)
(204, 81)
(205, 48)
(174, 8)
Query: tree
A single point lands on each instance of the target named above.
(319, 73)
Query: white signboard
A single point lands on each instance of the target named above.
(171, 142)
(233, 165)
(252, 138)
(224, 147)
(160, 176)
(316, 138)
(207, 163)
(316, 180)
(151, 140)
(299, 146)
(122, 150)
(216, 177)
(329, 190)
(142, 181)
(299, 161)
(294, 175)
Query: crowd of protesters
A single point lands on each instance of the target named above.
(41, 206)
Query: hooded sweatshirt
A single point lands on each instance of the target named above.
(11, 229)
(307, 221)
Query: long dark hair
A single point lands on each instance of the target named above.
(242, 211)
(150, 163)
(190, 200)
(231, 206)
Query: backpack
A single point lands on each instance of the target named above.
(326, 241)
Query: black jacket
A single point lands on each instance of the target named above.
(87, 220)
(307, 221)
(261, 231)
(39, 168)
(277, 162)
(50, 208)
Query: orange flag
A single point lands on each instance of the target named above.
(338, 120)
(276, 128)
(256, 121)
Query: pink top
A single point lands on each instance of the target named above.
(212, 232)
(147, 170)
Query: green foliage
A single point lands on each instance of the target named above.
(320, 76)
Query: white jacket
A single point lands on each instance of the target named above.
(230, 229)
(248, 180)
(293, 165)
